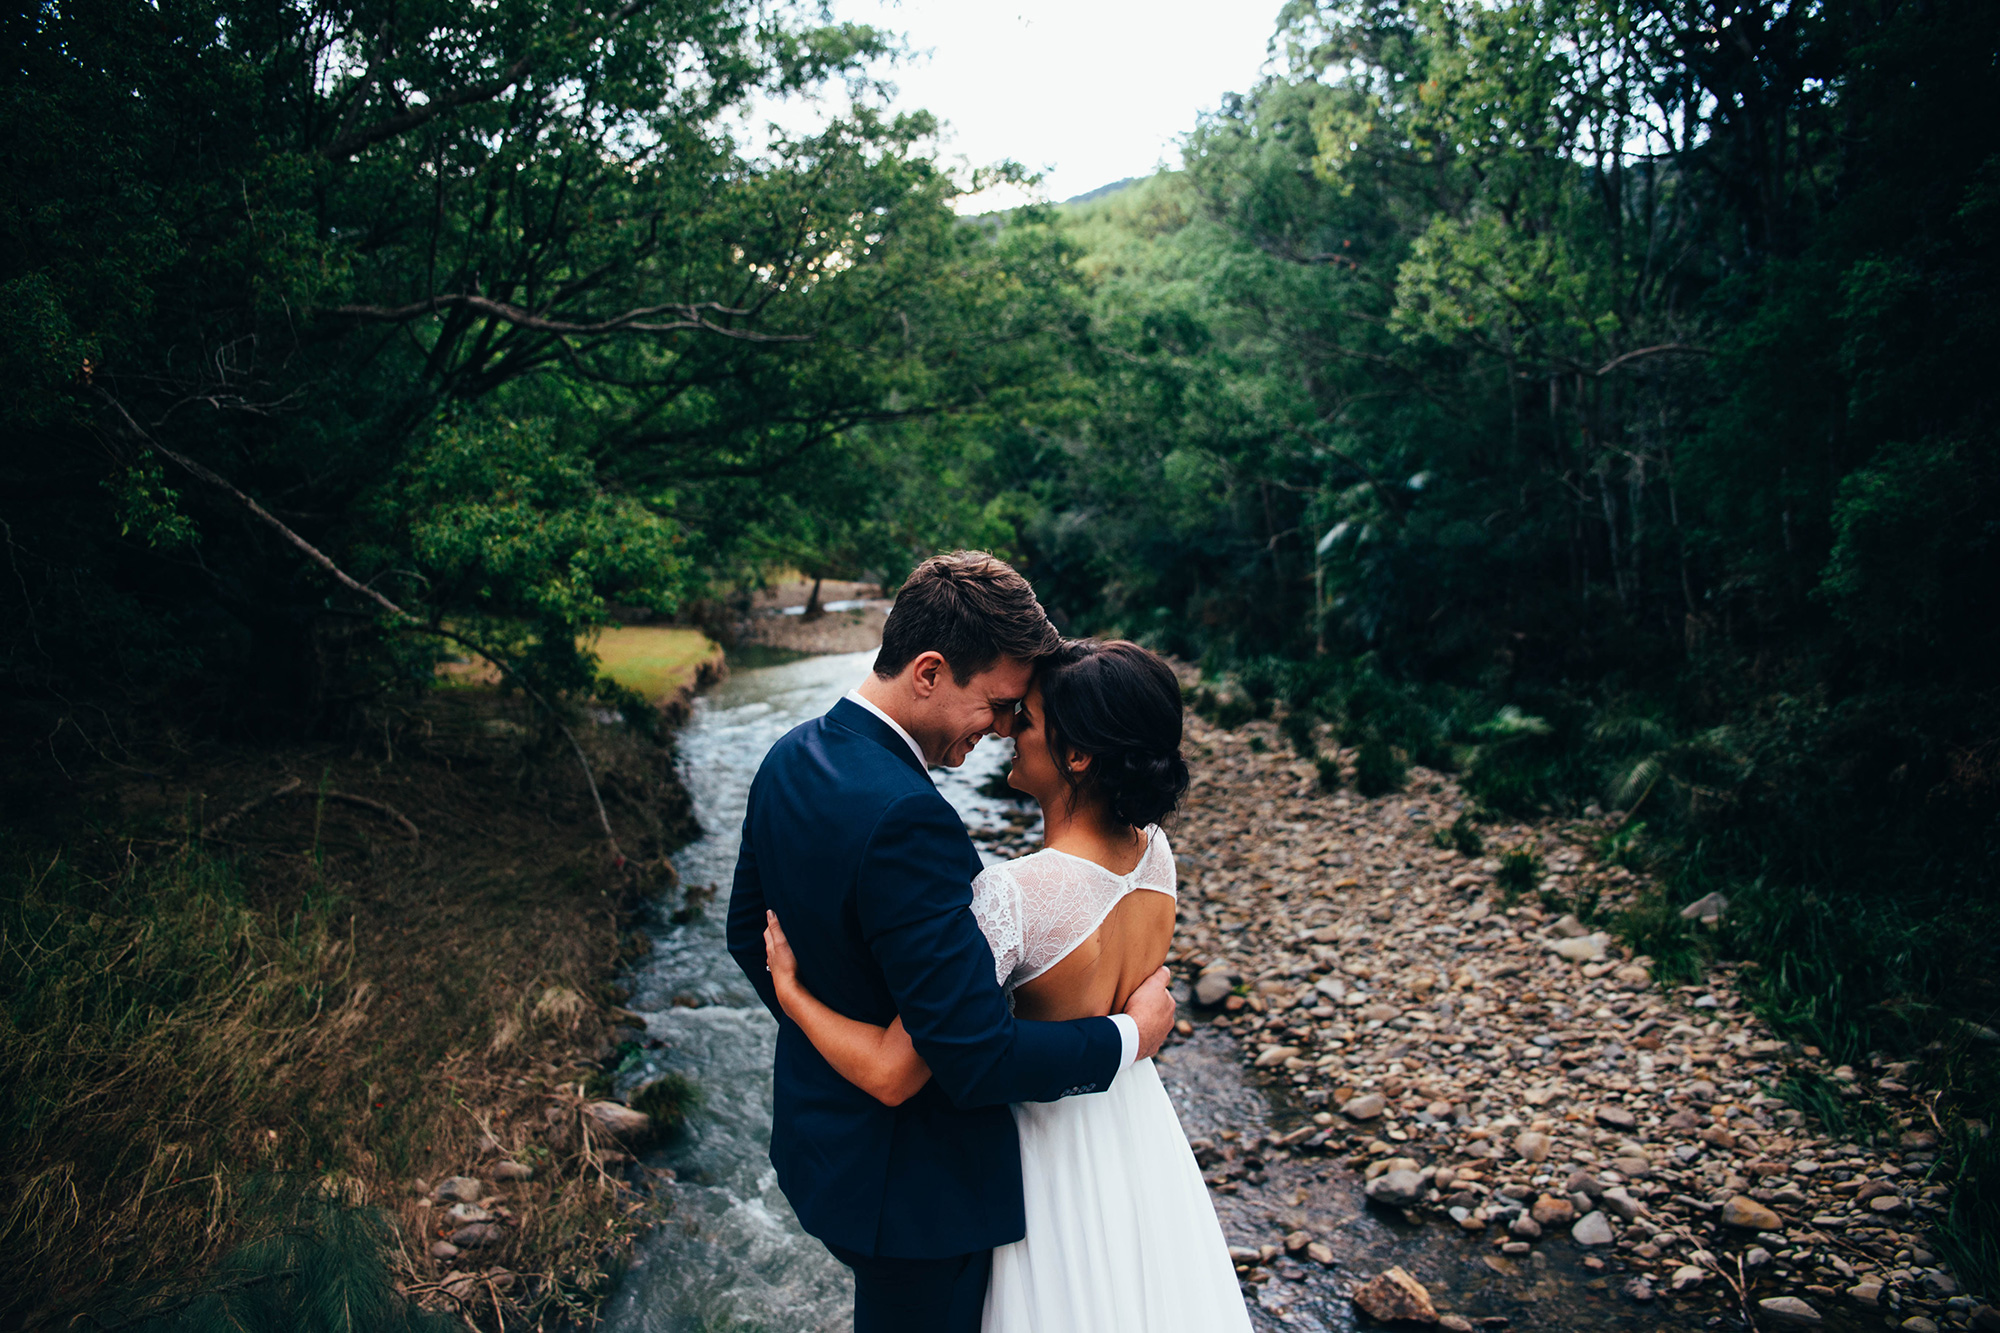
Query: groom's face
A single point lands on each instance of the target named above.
(954, 717)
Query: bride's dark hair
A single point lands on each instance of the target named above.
(1119, 704)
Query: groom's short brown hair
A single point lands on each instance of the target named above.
(970, 608)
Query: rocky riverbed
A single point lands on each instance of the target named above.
(1456, 1056)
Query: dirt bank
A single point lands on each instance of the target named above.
(439, 890)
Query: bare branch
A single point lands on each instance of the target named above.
(346, 580)
(347, 145)
(632, 321)
(1660, 350)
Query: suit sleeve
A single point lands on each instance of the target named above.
(745, 929)
(916, 916)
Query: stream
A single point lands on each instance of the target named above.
(731, 1256)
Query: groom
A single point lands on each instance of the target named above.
(869, 870)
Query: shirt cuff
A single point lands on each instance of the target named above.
(1128, 1040)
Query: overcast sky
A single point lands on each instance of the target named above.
(1086, 91)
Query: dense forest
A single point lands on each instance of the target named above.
(1593, 396)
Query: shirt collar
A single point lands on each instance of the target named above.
(895, 726)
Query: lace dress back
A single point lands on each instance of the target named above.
(1035, 910)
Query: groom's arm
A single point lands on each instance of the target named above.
(916, 916)
(745, 929)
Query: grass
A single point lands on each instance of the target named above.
(215, 1048)
(655, 661)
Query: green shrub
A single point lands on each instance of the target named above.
(1520, 870)
(1300, 726)
(1462, 835)
(669, 1100)
(1378, 769)
(1329, 772)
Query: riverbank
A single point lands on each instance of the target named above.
(256, 984)
(1459, 1027)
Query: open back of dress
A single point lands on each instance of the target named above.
(1039, 913)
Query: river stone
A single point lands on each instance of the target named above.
(461, 1189)
(443, 1249)
(1622, 1203)
(1708, 907)
(1365, 1107)
(1686, 1278)
(1889, 1205)
(1526, 1227)
(1532, 1145)
(1553, 1212)
(1297, 1241)
(1866, 1293)
(1639, 1289)
(1916, 1323)
(477, 1234)
(1592, 1229)
(1790, 1311)
(1394, 1296)
(618, 1121)
(1397, 1188)
(1377, 1012)
(512, 1171)
(1745, 1212)
(1276, 1055)
(1213, 988)
(1874, 1189)
(1243, 1254)
(1617, 1117)
(1320, 1253)
(460, 1214)
(1454, 1323)
(1583, 949)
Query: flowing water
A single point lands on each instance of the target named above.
(732, 1256)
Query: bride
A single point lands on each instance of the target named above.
(1120, 1231)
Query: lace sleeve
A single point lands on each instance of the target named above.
(996, 905)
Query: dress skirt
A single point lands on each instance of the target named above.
(1121, 1236)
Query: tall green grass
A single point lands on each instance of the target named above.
(150, 1014)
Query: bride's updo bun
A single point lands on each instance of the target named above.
(1119, 704)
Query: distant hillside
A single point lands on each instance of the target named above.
(1101, 191)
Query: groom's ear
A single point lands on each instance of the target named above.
(925, 673)
(1078, 761)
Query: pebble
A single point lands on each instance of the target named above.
(512, 1171)
(1592, 1229)
(619, 1121)
(1396, 1296)
(477, 1234)
(1397, 1188)
(1686, 1278)
(1551, 1211)
(1791, 1311)
(1745, 1212)
(1639, 1289)
(1213, 988)
(1918, 1324)
(1365, 1107)
(443, 1249)
(1532, 1146)
(460, 1189)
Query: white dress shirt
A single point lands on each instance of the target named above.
(1128, 1027)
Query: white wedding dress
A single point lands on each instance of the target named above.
(1121, 1234)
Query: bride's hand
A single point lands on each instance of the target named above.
(778, 958)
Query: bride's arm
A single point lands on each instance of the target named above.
(880, 1061)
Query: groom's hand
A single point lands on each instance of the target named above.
(1153, 1010)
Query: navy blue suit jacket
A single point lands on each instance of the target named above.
(870, 871)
